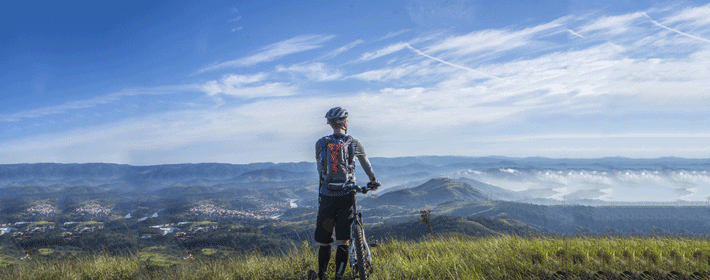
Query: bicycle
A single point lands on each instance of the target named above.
(360, 256)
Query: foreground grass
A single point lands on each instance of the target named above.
(436, 258)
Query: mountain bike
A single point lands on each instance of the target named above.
(360, 256)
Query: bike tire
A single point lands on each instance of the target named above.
(360, 251)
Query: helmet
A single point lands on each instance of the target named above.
(336, 115)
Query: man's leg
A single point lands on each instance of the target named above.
(341, 257)
(323, 260)
(325, 222)
(345, 217)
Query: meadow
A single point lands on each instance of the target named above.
(440, 257)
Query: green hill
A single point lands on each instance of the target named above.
(431, 193)
(477, 226)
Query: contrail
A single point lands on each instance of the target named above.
(676, 31)
(574, 33)
(449, 63)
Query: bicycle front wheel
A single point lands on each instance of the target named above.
(360, 250)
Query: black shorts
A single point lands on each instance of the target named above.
(334, 212)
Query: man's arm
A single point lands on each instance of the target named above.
(364, 162)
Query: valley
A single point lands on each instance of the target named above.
(175, 210)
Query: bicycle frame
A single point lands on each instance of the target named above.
(353, 227)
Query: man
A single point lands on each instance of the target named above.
(335, 157)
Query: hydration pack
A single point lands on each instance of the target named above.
(337, 160)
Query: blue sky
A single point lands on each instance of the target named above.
(250, 81)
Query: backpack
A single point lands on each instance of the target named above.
(337, 158)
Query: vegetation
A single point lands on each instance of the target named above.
(506, 257)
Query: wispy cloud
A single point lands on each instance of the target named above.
(612, 25)
(451, 64)
(94, 102)
(493, 40)
(394, 34)
(696, 16)
(574, 33)
(274, 51)
(313, 71)
(248, 86)
(675, 30)
(382, 52)
(342, 49)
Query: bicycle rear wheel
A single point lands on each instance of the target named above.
(360, 251)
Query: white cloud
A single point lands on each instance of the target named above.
(613, 25)
(676, 30)
(696, 16)
(246, 133)
(274, 51)
(313, 71)
(251, 86)
(382, 52)
(395, 34)
(94, 102)
(342, 49)
(493, 40)
(451, 64)
(386, 74)
(570, 31)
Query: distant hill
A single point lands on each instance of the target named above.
(14, 192)
(186, 191)
(477, 226)
(146, 178)
(407, 182)
(493, 192)
(431, 193)
(76, 194)
(272, 175)
(574, 218)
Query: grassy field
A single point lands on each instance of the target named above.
(436, 258)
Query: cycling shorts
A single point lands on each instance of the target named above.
(334, 212)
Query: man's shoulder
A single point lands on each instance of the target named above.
(322, 140)
(353, 140)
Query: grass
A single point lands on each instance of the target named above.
(507, 257)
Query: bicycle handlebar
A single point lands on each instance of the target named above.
(360, 189)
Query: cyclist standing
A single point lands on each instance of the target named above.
(335, 157)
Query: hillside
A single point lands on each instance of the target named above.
(493, 192)
(664, 220)
(429, 194)
(476, 226)
(497, 257)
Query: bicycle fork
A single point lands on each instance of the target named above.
(353, 255)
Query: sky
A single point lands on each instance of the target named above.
(160, 82)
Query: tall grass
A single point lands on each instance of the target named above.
(507, 257)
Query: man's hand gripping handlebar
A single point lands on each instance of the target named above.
(371, 186)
